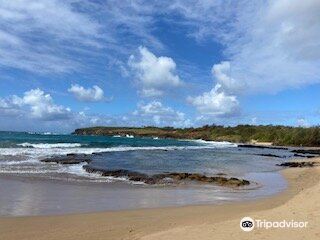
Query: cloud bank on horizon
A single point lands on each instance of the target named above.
(75, 63)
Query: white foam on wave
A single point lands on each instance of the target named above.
(21, 171)
(44, 133)
(42, 152)
(78, 170)
(21, 162)
(50, 145)
(222, 144)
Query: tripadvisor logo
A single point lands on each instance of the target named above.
(247, 224)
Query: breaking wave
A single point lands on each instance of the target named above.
(50, 145)
(62, 149)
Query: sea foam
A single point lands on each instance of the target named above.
(46, 149)
(50, 145)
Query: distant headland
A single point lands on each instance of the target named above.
(267, 134)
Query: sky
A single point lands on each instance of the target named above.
(66, 64)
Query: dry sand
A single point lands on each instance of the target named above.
(300, 202)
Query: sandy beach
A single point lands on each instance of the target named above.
(300, 202)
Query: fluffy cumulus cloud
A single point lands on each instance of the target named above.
(216, 103)
(155, 74)
(94, 94)
(220, 101)
(36, 104)
(43, 107)
(156, 114)
(37, 110)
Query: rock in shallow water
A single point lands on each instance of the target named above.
(270, 155)
(298, 164)
(164, 178)
(68, 159)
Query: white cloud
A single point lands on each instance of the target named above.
(221, 72)
(204, 18)
(94, 94)
(36, 104)
(133, 21)
(221, 100)
(276, 46)
(56, 36)
(155, 74)
(301, 122)
(216, 103)
(155, 113)
(269, 46)
(43, 107)
(36, 110)
(10, 106)
(43, 36)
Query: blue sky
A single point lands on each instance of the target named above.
(75, 63)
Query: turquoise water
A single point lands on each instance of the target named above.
(15, 139)
(25, 179)
(21, 152)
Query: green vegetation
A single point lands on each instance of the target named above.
(278, 135)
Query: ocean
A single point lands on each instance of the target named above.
(33, 187)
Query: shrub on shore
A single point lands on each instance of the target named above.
(278, 135)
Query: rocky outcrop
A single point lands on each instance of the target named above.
(307, 151)
(304, 156)
(260, 146)
(165, 178)
(270, 155)
(68, 159)
(298, 164)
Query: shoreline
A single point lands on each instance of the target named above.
(201, 221)
(30, 197)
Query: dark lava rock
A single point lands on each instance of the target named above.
(307, 151)
(304, 156)
(260, 146)
(270, 155)
(168, 177)
(223, 181)
(221, 174)
(297, 164)
(68, 159)
(131, 175)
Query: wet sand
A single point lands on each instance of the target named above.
(299, 202)
(29, 196)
